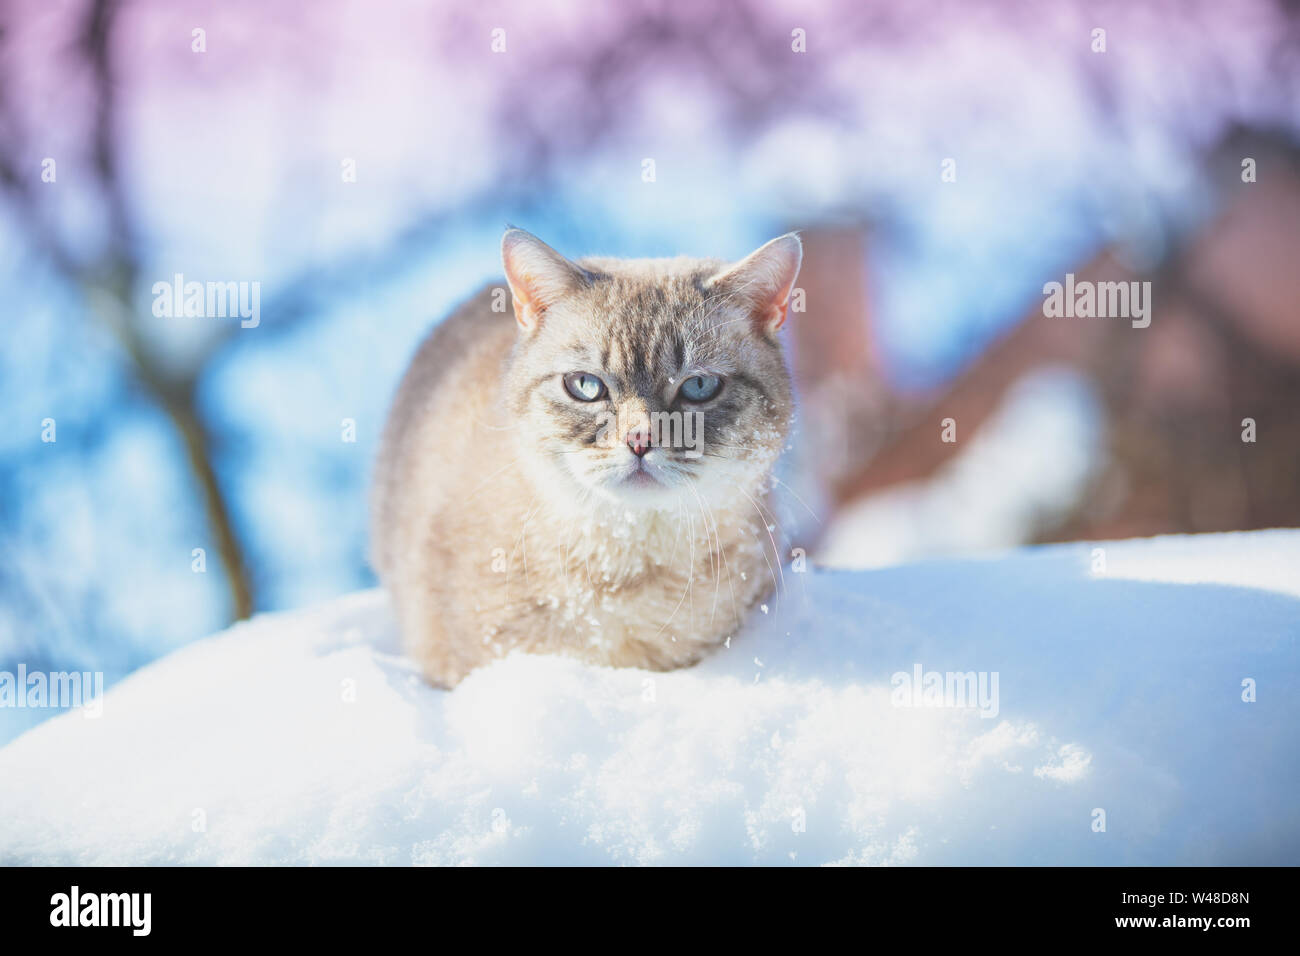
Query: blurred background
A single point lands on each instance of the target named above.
(162, 476)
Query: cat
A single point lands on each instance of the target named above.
(590, 475)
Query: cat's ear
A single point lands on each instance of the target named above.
(538, 276)
(763, 280)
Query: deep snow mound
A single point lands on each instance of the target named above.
(1093, 705)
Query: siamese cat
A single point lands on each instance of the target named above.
(588, 474)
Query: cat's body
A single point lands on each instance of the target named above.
(503, 519)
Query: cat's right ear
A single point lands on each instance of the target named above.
(538, 276)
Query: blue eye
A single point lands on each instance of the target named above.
(584, 386)
(701, 388)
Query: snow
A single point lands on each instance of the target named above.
(305, 737)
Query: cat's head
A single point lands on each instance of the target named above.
(647, 382)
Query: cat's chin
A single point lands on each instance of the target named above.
(641, 491)
(653, 487)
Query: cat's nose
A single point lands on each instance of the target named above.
(638, 439)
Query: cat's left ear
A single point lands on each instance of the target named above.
(763, 280)
(538, 276)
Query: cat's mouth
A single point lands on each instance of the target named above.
(641, 482)
(650, 481)
(641, 478)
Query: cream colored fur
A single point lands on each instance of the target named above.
(497, 526)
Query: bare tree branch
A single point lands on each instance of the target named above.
(108, 284)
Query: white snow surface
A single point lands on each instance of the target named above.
(306, 737)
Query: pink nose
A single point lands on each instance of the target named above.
(638, 439)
